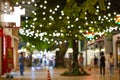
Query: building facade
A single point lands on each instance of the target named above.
(104, 44)
(9, 38)
(116, 49)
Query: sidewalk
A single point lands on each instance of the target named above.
(55, 75)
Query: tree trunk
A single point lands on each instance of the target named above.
(86, 51)
(75, 51)
(74, 69)
(74, 66)
(60, 54)
(29, 61)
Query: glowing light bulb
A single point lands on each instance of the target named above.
(45, 2)
(58, 6)
(109, 3)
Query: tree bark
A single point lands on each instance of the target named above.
(29, 61)
(60, 54)
(74, 66)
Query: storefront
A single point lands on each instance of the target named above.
(116, 49)
(1, 33)
(118, 52)
(7, 54)
(103, 44)
(10, 23)
(94, 49)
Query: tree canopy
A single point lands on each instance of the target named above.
(57, 21)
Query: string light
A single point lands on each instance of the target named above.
(40, 25)
(29, 2)
(23, 2)
(68, 22)
(45, 2)
(109, 3)
(45, 7)
(108, 7)
(58, 6)
(17, 3)
(35, 4)
(53, 12)
(50, 23)
(97, 7)
(60, 17)
(50, 10)
(43, 13)
(76, 19)
(100, 19)
(33, 0)
(68, 17)
(41, 6)
(56, 9)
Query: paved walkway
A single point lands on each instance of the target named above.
(39, 74)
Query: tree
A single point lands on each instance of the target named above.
(67, 20)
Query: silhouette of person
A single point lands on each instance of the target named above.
(21, 63)
(102, 63)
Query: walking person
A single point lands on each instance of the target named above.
(81, 61)
(102, 63)
(21, 63)
(111, 63)
(95, 61)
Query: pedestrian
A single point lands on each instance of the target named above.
(102, 63)
(95, 61)
(111, 63)
(81, 61)
(21, 63)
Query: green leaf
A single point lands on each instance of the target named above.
(102, 5)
